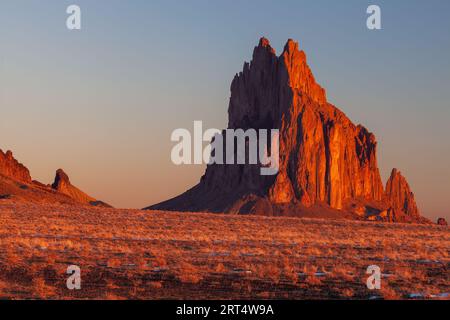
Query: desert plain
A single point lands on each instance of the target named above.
(133, 254)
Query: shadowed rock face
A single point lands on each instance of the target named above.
(442, 222)
(11, 168)
(324, 157)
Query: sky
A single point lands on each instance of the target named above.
(102, 102)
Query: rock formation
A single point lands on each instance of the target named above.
(442, 222)
(11, 168)
(324, 156)
(325, 159)
(400, 198)
(16, 183)
(62, 185)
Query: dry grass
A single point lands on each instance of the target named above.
(130, 254)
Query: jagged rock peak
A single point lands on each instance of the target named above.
(264, 42)
(291, 46)
(299, 73)
(324, 157)
(399, 194)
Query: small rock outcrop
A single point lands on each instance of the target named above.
(400, 198)
(442, 222)
(62, 185)
(12, 168)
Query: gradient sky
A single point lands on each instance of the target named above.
(101, 102)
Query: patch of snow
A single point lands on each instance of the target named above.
(238, 270)
(441, 295)
(424, 261)
(416, 295)
(320, 274)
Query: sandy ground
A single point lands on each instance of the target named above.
(130, 254)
